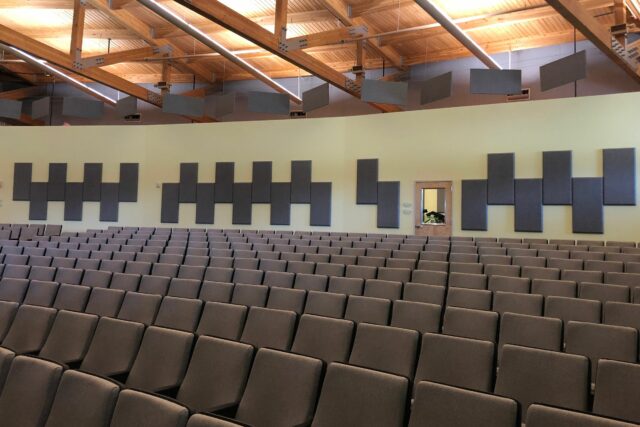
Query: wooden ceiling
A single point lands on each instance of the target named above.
(399, 33)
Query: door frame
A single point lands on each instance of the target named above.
(445, 230)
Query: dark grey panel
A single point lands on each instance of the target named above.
(57, 182)
(280, 203)
(301, 181)
(619, 166)
(388, 205)
(224, 182)
(188, 182)
(73, 201)
(563, 71)
(183, 105)
(219, 105)
(205, 204)
(38, 201)
(528, 205)
(496, 82)
(10, 109)
(109, 202)
(437, 88)
(385, 92)
(242, 203)
(129, 182)
(84, 108)
(474, 204)
(22, 181)
(501, 175)
(92, 182)
(315, 98)
(261, 182)
(40, 108)
(556, 177)
(268, 103)
(321, 204)
(127, 106)
(367, 182)
(170, 203)
(587, 211)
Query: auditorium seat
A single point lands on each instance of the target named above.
(429, 265)
(383, 289)
(622, 314)
(544, 333)
(465, 268)
(509, 302)
(301, 267)
(45, 274)
(580, 276)
(222, 320)
(603, 293)
(549, 416)
(346, 285)
(476, 299)
(29, 329)
(250, 295)
(216, 291)
(250, 264)
(184, 288)
(467, 323)
(8, 312)
(419, 316)
(427, 277)
(468, 281)
(278, 279)
(370, 261)
(71, 297)
(418, 292)
(141, 308)
(69, 337)
(96, 278)
(69, 276)
(266, 327)
(221, 262)
(133, 406)
(617, 391)
(179, 313)
(567, 309)
(558, 288)
(354, 271)
(502, 270)
(509, 284)
(16, 272)
(125, 282)
(366, 309)
(323, 338)
(325, 304)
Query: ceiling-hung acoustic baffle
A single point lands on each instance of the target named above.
(383, 92)
(219, 105)
(183, 105)
(127, 106)
(436, 88)
(10, 109)
(40, 108)
(563, 71)
(496, 82)
(268, 103)
(315, 98)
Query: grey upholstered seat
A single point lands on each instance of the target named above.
(477, 299)
(179, 313)
(368, 310)
(13, 290)
(141, 308)
(325, 304)
(69, 338)
(618, 390)
(324, 338)
(530, 331)
(29, 329)
(72, 297)
(137, 409)
(549, 416)
(266, 327)
(422, 317)
(41, 293)
(419, 292)
(222, 320)
(105, 302)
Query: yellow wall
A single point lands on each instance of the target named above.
(445, 144)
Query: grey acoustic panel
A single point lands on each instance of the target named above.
(588, 205)
(501, 175)
(38, 201)
(183, 105)
(41, 108)
(242, 204)
(188, 182)
(474, 205)
(301, 181)
(73, 201)
(205, 204)
(128, 191)
(109, 202)
(528, 205)
(83, 108)
(280, 203)
(556, 177)
(321, 204)
(388, 205)
(367, 182)
(619, 167)
(315, 98)
(22, 181)
(10, 109)
(224, 182)
(268, 103)
(563, 71)
(261, 182)
(170, 209)
(57, 182)
(219, 105)
(384, 92)
(496, 82)
(127, 106)
(92, 182)
(436, 88)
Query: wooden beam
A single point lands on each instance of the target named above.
(36, 4)
(588, 25)
(378, 6)
(166, 77)
(77, 29)
(89, 33)
(280, 23)
(118, 4)
(324, 38)
(360, 60)
(25, 92)
(122, 56)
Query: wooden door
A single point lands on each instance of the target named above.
(433, 202)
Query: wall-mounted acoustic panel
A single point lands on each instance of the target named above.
(170, 203)
(619, 166)
(242, 204)
(219, 105)
(384, 92)
(556, 177)
(57, 182)
(127, 106)
(474, 204)
(388, 205)
(367, 182)
(315, 98)
(261, 182)
(301, 181)
(588, 205)
(321, 204)
(38, 201)
(528, 205)
(183, 105)
(188, 182)
(563, 71)
(268, 103)
(73, 201)
(83, 108)
(10, 109)
(41, 108)
(224, 182)
(501, 176)
(129, 182)
(280, 203)
(109, 202)
(22, 173)
(436, 88)
(92, 182)
(496, 82)
(205, 204)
